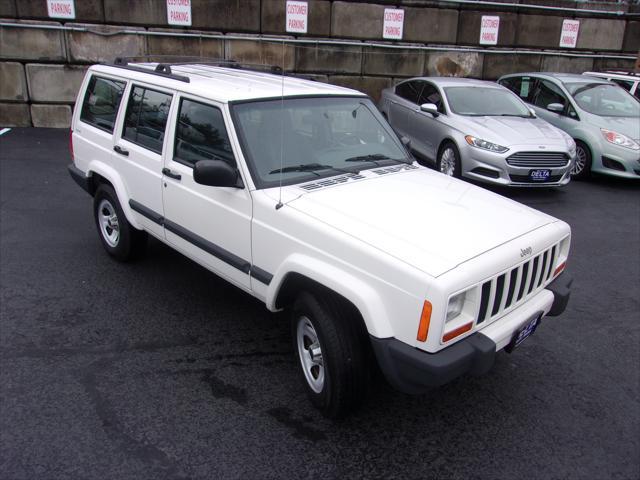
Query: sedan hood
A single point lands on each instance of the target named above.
(421, 217)
(515, 131)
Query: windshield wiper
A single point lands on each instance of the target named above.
(374, 158)
(311, 167)
(514, 115)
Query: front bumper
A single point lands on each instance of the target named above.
(492, 167)
(414, 371)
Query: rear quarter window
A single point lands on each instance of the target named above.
(101, 102)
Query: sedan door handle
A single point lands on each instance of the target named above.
(121, 150)
(170, 174)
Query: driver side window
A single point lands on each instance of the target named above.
(430, 94)
(548, 93)
(409, 91)
(201, 134)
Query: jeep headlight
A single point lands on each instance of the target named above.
(483, 144)
(454, 309)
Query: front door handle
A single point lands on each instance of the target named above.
(121, 150)
(170, 174)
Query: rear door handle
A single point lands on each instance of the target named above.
(121, 150)
(170, 174)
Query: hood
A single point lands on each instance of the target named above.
(422, 217)
(629, 126)
(508, 131)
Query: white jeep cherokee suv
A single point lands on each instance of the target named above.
(302, 195)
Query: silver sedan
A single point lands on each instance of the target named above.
(480, 130)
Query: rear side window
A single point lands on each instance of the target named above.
(146, 118)
(101, 102)
(409, 90)
(201, 134)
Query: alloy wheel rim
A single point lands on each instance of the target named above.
(581, 161)
(109, 225)
(448, 162)
(310, 354)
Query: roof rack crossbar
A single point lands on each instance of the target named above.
(166, 61)
(161, 70)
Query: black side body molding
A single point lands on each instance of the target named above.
(204, 244)
(146, 212)
(79, 177)
(261, 275)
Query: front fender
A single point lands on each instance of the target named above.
(110, 174)
(354, 289)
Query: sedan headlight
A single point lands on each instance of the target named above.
(454, 309)
(619, 139)
(479, 143)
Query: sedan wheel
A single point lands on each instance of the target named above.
(449, 160)
(582, 166)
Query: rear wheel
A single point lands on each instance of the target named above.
(119, 238)
(582, 167)
(332, 352)
(449, 160)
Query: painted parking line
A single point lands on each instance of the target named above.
(4, 130)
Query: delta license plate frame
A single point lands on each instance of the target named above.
(524, 332)
(540, 175)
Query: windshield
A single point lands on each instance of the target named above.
(604, 99)
(481, 101)
(300, 139)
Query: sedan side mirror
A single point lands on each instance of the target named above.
(532, 112)
(406, 141)
(216, 173)
(430, 108)
(555, 107)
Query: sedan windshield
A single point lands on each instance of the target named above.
(604, 99)
(485, 101)
(299, 139)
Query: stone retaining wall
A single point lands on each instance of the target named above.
(41, 69)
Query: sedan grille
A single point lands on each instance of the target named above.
(514, 287)
(538, 159)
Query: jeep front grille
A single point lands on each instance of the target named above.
(538, 159)
(513, 287)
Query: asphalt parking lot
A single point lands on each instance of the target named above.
(159, 369)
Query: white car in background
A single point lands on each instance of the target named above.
(628, 80)
(480, 130)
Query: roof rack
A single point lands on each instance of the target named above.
(165, 62)
(622, 71)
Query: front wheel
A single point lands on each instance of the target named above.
(582, 167)
(332, 352)
(449, 160)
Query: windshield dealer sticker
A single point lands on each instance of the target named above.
(489, 26)
(61, 9)
(569, 35)
(393, 24)
(297, 16)
(179, 12)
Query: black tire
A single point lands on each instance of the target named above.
(457, 169)
(127, 243)
(584, 172)
(345, 352)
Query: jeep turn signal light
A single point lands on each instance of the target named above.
(559, 269)
(458, 331)
(425, 318)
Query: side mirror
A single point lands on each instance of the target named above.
(430, 108)
(555, 107)
(216, 173)
(406, 141)
(532, 112)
